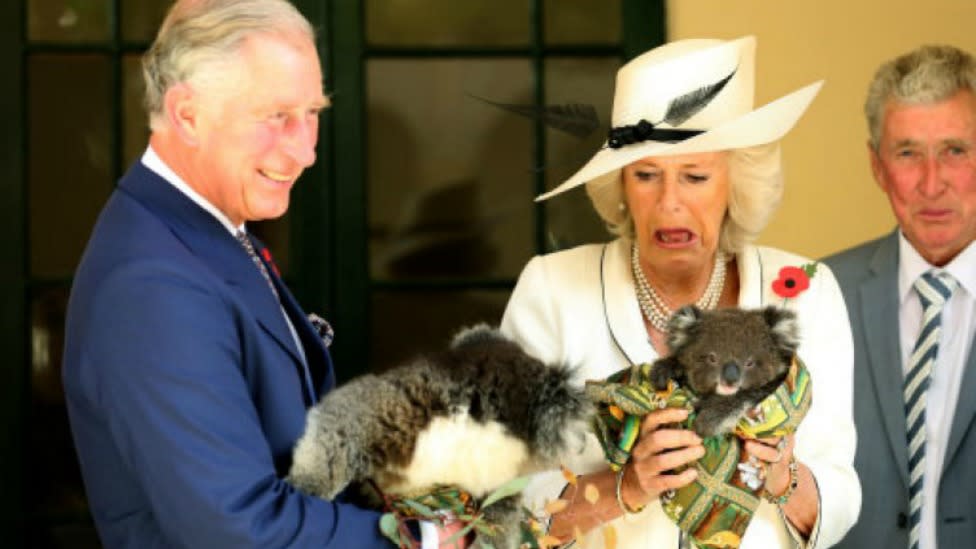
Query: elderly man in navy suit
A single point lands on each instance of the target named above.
(911, 297)
(189, 366)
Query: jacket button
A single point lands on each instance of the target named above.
(902, 520)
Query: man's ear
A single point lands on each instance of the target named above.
(181, 108)
(877, 170)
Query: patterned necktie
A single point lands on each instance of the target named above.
(934, 290)
(249, 247)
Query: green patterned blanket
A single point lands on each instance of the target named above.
(715, 509)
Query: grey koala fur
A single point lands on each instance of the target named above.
(731, 359)
(519, 414)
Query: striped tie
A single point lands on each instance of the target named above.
(934, 290)
(249, 248)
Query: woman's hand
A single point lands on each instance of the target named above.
(775, 453)
(801, 508)
(659, 450)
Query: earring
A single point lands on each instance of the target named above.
(622, 206)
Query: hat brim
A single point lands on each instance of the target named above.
(763, 125)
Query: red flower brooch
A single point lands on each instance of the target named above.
(793, 280)
(266, 254)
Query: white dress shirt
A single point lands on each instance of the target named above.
(954, 342)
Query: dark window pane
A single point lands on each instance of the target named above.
(450, 177)
(141, 19)
(135, 122)
(69, 20)
(447, 22)
(70, 156)
(57, 495)
(582, 21)
(571, 219)
(405, 324)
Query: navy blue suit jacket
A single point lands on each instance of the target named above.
(186, 391)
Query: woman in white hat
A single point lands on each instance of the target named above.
(689, 176)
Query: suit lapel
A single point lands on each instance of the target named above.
(623, 314)
(321, 376)
(878, 301)
(213, 245)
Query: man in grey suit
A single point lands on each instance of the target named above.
(915, 397)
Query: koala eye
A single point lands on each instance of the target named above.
(711, 358)
(750, 362)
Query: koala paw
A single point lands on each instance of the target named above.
(662, 373)
(709, 424)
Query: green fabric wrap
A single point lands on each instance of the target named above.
(715, 509)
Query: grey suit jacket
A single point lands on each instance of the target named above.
(868, 277)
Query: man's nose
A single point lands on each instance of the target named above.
(931, 180)
(300, 142)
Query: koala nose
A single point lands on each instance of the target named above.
(730, 372)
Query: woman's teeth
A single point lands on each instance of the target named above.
(673, 236)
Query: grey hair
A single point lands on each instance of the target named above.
(928, 74)
(755, 191)
(199, 38)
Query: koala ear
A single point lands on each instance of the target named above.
(479, 333)
(682, 325)
(784, 329)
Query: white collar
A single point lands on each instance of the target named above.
(152, 161)
(911, 265)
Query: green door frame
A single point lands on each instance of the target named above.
(14, 336)
(329, 207)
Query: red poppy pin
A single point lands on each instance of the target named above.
(793, 281)
(266, 254)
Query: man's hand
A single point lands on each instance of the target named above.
(448, 535)
(433, 536)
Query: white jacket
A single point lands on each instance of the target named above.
(578, 307)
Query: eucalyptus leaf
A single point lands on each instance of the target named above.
(458, 535)
(510, 488)
(388, 525)
(421, 509)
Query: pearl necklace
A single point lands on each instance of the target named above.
(655, 310)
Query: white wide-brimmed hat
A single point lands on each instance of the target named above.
(689, 96)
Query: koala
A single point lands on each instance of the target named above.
(475, 416)
(731, 359)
